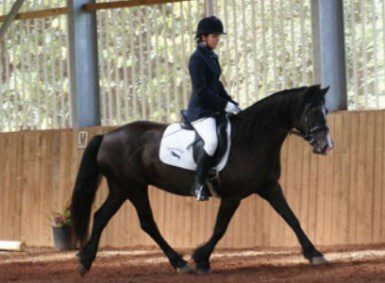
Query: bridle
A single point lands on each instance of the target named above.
(307, 133)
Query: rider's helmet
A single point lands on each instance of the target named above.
(210, 25)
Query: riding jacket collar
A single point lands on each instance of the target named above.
(210, 58)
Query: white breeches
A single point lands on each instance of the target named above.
(207, 129)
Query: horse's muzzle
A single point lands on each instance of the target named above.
(324, 145)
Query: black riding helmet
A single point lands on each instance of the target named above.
(209, 25)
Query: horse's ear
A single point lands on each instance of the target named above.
(312, 91)
(323, 91)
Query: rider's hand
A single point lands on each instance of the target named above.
(232, 108)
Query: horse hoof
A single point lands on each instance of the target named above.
(318, 260)
(82, 270)
(203, 271)
(184, 269)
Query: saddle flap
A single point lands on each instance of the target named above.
(176, 150)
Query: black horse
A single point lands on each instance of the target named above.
(128, 158)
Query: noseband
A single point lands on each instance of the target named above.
(308, 133)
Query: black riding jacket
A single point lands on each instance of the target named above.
(208, 95)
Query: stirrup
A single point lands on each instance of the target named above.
(200, 196)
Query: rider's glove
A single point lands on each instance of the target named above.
(232, 108)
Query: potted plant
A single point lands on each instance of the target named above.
(61, 228)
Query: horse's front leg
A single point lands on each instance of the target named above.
(274, 195)
(202, 254)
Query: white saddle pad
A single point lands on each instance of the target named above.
(175, 149)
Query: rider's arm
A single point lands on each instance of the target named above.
(224, 93)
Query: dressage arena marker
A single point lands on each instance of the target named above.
(82, 139)
(12, 246)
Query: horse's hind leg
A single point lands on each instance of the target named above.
(142, 205)
(101, 218)
(273, 194)
(202, 254)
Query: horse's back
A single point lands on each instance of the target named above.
(119, 147)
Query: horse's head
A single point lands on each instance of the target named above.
(312, 123)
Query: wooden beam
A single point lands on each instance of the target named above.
(39, 14)
(10, 17)
(125, 4)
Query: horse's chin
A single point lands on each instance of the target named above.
(322, 151)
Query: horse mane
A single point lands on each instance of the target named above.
(275, 108)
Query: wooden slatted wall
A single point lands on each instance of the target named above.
(338, 199)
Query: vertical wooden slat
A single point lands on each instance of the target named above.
(362, 223)
(19, 187)
(352, 215)
(5, 173)
(35, 193)
(297, 189)
(305, 181)
(378, 176)
(337, 189)
(345, 175)
(40, 188)
(328, 175)
(48, 155)
(313, 193)
(24, 234)
(7, 179)
(2, 185)
(259, 222)
(369, 176)
(383, 180)
(321, 191)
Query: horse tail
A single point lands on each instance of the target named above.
(84, 192)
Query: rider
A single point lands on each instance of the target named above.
(208, 97)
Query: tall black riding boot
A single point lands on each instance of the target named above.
(203, 165)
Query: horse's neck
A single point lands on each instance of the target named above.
(271, 120)
(280, 115)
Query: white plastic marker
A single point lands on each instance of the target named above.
(12, 246)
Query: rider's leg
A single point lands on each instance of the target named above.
(206, 129)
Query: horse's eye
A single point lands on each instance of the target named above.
(327, 111)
